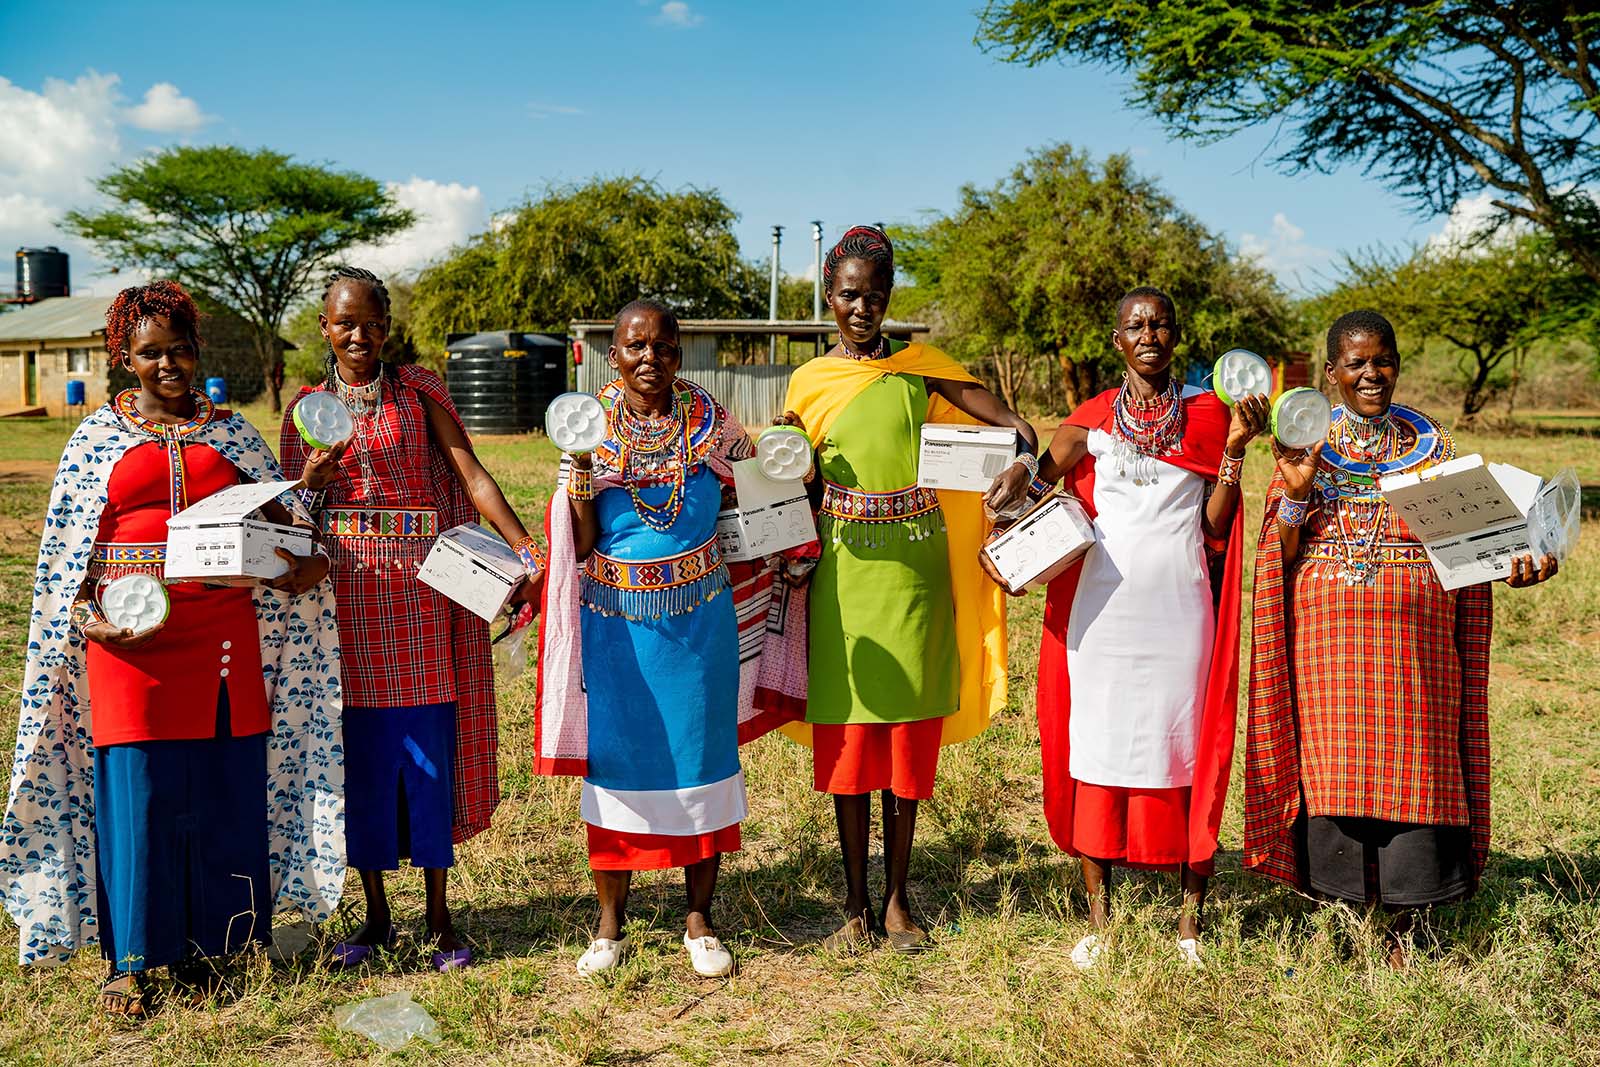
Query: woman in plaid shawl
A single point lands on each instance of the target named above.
(419, 715)
(1367, 752)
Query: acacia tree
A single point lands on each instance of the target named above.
(1489, 301)
(581, 252)
(252, 229)
(1439, 100)
(1025, 276)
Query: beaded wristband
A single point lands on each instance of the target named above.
(527, 550)
(1230, 470)
(1038, 489)
(580, 483)
(1292, 513)
(1030, 462)
(86, 613)
(312, 499)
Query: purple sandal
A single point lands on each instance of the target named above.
(347, 954)
(453, 960)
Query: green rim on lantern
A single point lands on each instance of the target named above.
(1301, 417)
(1239, 373)
(323, 421)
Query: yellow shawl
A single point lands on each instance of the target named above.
(818, 392)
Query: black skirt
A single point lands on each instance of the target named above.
(1373, 861)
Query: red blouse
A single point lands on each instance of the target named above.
(167, 690)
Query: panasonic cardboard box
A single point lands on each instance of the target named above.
(1043, 543)
(771, 515)
(223, 540)
(473, 567)
(966, 458)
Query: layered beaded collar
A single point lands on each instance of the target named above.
(127, 408)
(702, 424)
(1428, 439)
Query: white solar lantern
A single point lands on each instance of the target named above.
(136, 602)
(323, 420)
(1240, 373)
(784, 453)
(1301, 417)
(575, 422)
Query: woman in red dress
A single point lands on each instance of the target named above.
(419, 715)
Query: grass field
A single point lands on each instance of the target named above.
(1511, 977)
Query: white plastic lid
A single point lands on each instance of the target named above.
(784, 453)
(323, 420)
(136, 602)
(575, 422)
(1301, 417)
(1240, 373)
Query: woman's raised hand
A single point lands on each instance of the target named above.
(1298, 468)
(789, 418)
(1250, 416)
(322, 467)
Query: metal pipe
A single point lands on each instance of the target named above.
(772, 302)
(816, 281)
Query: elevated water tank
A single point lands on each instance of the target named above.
(41, 273)
(502, 381)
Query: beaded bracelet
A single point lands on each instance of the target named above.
(1230, 470)
(527, 550)
(580, 483)
(85, 613)
(1038, 489)
(1292, 513)
(1030, 462)
(312, 499)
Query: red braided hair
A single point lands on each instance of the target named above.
(859, 242)
(135, 304)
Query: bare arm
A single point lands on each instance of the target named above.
(1298, 470)
(478, 483)
(1067, 447)
(585, 520)
(1250, 416)
(1011, 485)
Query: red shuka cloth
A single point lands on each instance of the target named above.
(1206, 421)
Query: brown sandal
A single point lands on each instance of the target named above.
(854, 935)
(123, 996)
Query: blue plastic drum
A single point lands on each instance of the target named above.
(217, 390)
(75, 393)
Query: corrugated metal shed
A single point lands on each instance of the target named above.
(60, 318)
(753, 392)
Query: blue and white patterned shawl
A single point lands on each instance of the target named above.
(47, 855)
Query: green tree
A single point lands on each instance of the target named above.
(1490, 301)
(1439, 100)
(583, 251)
(1023, 278)
(252, 229)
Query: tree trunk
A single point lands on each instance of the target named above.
(1078, 380)
(267, 351)
(1518, 358)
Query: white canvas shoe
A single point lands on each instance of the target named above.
(1086, 953)
(1189, 952)
(709, 958)
(602, 955)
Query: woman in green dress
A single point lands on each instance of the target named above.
(907, 636)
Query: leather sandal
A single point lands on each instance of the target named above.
(853, 936)
(906, 941)
(123, 995)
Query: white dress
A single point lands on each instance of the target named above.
(1139, 638)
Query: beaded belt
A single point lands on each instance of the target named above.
(649, 589)
(379, 522)
(1389, 552)
(855, 505)
(113, 559)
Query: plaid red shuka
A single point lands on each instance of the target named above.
(1366, 700)
(405, 644)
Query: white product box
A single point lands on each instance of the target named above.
(473, 567)
(771, 515)
(223, 541)
(1475, 518)
(964, 457)
(1043, 543)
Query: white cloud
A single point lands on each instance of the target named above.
(446, 216)
(677, 13)
(166, 110)
(543, 111)
(1284, 251)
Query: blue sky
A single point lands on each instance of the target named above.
(847, 112)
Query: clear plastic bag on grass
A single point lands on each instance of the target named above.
(510, 647)
(389, 1021)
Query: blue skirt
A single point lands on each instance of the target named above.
(181, 846)
(398, 781)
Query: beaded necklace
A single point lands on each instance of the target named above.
(1145, 429)
(877, 351)
(364, 402)
(1360, 511)
(170, 435)
(641, 441)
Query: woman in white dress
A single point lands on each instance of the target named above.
(1138, 665)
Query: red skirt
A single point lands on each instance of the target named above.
(1135, 827)
(848, 759)
(614, 850)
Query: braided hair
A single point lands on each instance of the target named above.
(135, 304)
(1351, 323)
(1149, 292)
(361, 276)
(859, 242)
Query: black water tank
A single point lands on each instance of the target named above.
(502, 382)
(41, 273)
